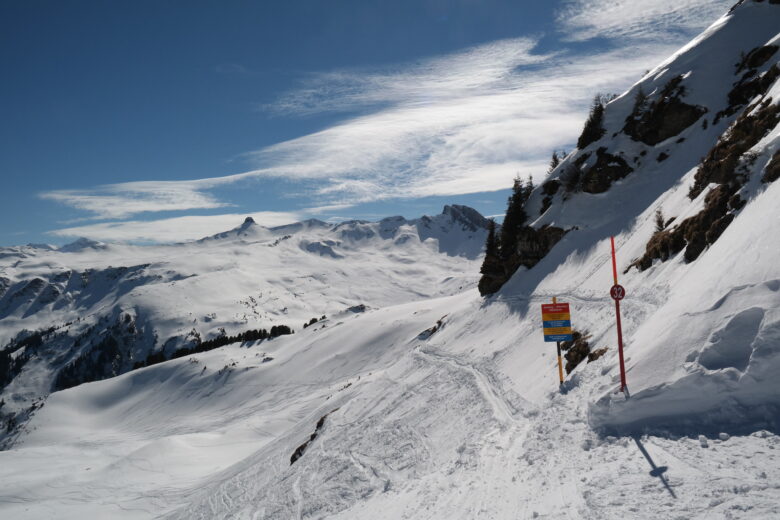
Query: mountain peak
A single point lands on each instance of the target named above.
(80, 244)
(472, 218)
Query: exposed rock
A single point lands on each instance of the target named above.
(534, 244)
(747, 89)
(757, 57)
(427, 333)
(721, 166)
(696, 232)
(298, 453)
(572, 175)
(771, 172)
(469, 217)
(595, 354)
(665, 117)
(549, 188)
(608, 168)
(577, 350)
(721, 162)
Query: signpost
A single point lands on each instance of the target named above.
(556, 320)
(617, 292)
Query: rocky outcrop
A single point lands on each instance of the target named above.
(772, 170)
(757, 57)
(469, 217)
(747, 88)
(578, 350)
(720, 164)
(534, 244)
(607, 169)
(665, 117)
(727, 165)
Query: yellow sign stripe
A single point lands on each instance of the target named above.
(556, 316)
(558, 330)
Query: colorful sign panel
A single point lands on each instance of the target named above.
(556, 320)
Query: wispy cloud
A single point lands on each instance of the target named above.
(456, 124)
(469, 130)
(667, 20)
(124, 200)
(178, 229)
(481, 69)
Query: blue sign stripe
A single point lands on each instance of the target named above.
(556, 323)
(558, 337)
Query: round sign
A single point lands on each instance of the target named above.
(617, 292)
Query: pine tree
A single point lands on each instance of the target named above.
(554, 161)
(492, 267)
(640, 102)
(514, 219)
(492, 249)
(659, 221)
(529, 187)
(594, 129)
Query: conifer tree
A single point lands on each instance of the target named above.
(659, 221)
(492, 268)
(514, 219)
(492, 249)
(640, 102)
(554, 161)
(594, 129)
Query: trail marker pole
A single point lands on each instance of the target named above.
(558, 346)
(617, 292)
(556, 322)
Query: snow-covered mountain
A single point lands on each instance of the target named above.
(434, 402)
(89, 310)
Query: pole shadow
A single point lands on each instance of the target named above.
(656, 471)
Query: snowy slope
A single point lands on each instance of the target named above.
(443, 404)
(158, 298)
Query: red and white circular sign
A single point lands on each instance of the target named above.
(617, 292)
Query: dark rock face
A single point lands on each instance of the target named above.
(575, 350)
(665, 117)
(771, 173)
(579, 350)
(5, 283)
(694, 233)
(721, 162)
(747, 88)
(299, 451)
(757, 57)
(608, 168)
(723, 165)
(534, 244)
(469, 217)
(549, 188)
(107, 355)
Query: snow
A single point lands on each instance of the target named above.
(437, 403)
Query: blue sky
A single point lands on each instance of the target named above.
(162, 121)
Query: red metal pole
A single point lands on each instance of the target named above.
(623, 385)
(614, 263)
